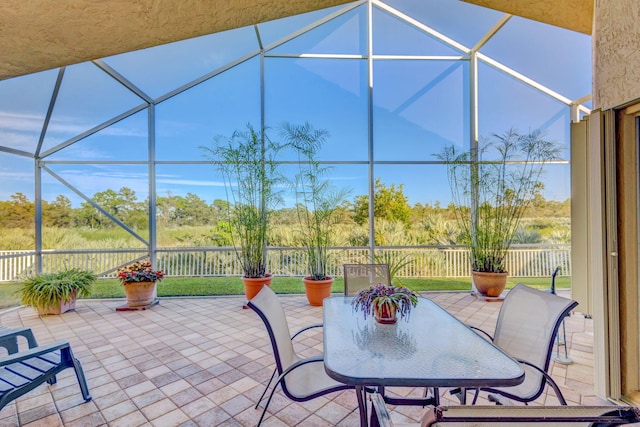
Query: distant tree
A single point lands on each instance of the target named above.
(540, 207)
(17, 213)
(285, 217)
(192, 210)
(389, 203)
(58, 213)
(344, 213)
(177, 211)
(123, 205)
(218, 209)
(166, 210)
(88, 216)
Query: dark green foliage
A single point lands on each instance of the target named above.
(389, 203)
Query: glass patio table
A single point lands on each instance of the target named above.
(429, 349)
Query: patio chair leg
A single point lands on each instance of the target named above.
(67, 357)
(264, 411)
(460, 393)
(432, 393)
(266, 388)
(562, 341)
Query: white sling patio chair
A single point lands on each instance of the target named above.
(360, 276)
(301, 379)
(526, 329)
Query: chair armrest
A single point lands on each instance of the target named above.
(316, 325)
(547, 377)
(313, 359)
(476, 329)
(34, 352)
(9, 338)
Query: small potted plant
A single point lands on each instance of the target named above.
(56, 293)
(139, 281)
(385, 302)
(316, 204)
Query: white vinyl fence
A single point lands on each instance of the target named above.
(424, 261)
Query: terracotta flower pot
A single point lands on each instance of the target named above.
(252, 285)
(317, 290)
(489, 284)
(139, 294)
(385, 314)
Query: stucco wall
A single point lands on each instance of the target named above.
(38, 35)
(616, 41)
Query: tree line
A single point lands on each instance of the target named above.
(392, 211)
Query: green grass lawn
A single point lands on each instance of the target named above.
(208, 286)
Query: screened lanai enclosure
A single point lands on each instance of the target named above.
(103, 162)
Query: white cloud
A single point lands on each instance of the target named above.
(17, 175)
(22, 130)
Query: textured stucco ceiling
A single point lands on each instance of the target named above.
(38, 35)
(576, 15)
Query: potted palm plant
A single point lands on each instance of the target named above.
(246, 162)
(56, 293)
(385, 302)
(316, 204)
(492, 195)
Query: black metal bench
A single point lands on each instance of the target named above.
(22, 371)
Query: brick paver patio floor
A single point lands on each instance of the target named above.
(204, 362)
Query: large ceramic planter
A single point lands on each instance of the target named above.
(61, 307)
(489, 284)
(139, 294)
(253, 285)
(317, 290)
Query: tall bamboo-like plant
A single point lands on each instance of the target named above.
(491, 196)
(246, 162)
(316, 198)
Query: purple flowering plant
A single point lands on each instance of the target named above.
(139, 272)
(380, 294)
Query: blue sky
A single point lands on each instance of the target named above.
(419, 106)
